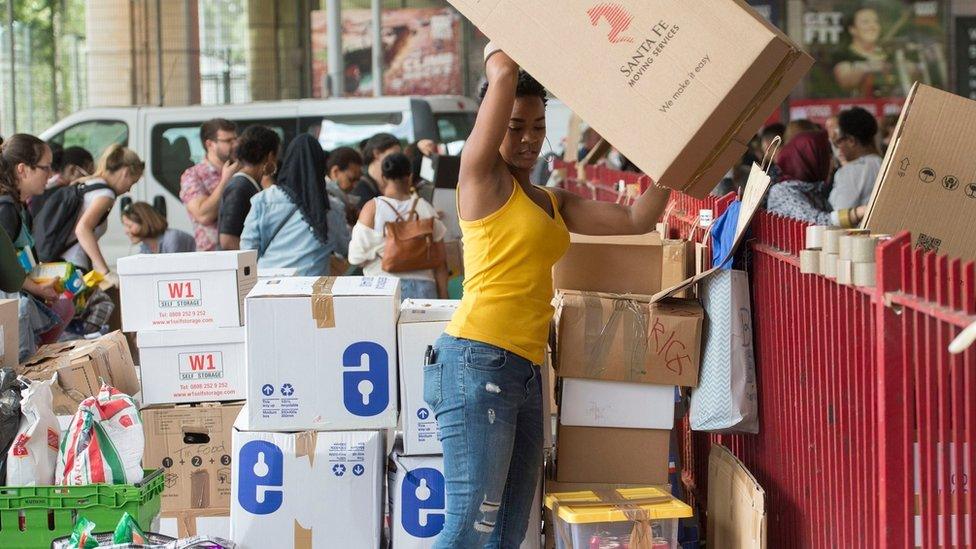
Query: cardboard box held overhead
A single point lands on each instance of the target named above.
(927, 183)
(322, 354)
(193, 444)
(186, 366)
(81, 367)
(628, 338)
(9, 333)
(188, 290)
(421, 323)
(678, 87)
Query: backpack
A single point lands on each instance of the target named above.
(54, 224)
(409, 244)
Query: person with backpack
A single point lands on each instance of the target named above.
(25, 166)
(399, 234)
(294, 223)
(85, 205)
(149, 229)
(257, 153)
(69, 165)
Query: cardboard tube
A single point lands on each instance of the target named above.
(845, 246)
(845, 272)
(865, 274)
(810, 261)
(828, 265)
(815, 236)
(862, 248)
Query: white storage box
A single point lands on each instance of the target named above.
(421, 323)
(308, 489)
(321, 353)
(417, 496)
(185, 290)
(596, 403)
(186, 366)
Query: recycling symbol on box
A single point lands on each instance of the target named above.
(339, 469)
(287, 389)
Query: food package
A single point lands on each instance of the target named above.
(104, 443)
(34, 453)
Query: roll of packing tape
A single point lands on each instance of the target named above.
(845, 245)
(815, 236)
(810, 261)
(862, 248)
(865, 274)
(828, 265)
(845, 272)
(831, 239)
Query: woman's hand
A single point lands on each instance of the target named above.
(45, 291)
(498, 63)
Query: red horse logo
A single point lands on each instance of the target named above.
(618, 18)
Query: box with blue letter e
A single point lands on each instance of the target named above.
(417, 494)
(321, 353)
(306, 490)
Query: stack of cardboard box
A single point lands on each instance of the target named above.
(321, 392)
(188, 313)
(416, 466)
(619, 358)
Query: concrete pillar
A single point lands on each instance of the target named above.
(276, 56)
(123, 52)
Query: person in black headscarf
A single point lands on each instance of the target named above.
(295, 224)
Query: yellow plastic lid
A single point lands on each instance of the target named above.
(583, 507)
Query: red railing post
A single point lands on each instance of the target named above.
(895, 496)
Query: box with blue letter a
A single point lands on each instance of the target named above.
(306, 490)
(417, 494)
(321, 353)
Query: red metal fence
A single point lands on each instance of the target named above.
(867, 423)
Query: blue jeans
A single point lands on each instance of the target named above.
(416, 288)
(488, 405)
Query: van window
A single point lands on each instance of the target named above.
(177, 146)
(349, 130)
(94, 135)
(454, 126)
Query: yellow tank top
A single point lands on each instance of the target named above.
(508, 259)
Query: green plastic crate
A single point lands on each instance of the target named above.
(31, 517)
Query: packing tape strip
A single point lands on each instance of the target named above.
(828, 265)
(845, 272)
(815, 236)
(862, 248)
(865, 274)
(810, 261)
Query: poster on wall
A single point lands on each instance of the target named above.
(874, 48)
(421, 52)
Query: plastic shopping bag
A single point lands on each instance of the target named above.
(9, 415)
(104, 443)
(34, 453)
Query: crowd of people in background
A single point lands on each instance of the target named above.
(326, 213)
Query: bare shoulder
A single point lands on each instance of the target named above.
(367, 216)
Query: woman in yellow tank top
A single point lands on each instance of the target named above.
(483, 380)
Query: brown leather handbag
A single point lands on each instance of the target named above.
(409, 244)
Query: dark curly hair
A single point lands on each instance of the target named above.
(256, 143)
(527, 87)
(397, 166)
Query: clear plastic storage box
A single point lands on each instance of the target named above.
(586, 520)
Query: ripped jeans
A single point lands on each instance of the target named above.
(488, 404)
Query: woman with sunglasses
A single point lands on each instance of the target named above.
(25, 166)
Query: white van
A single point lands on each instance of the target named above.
(168, 138)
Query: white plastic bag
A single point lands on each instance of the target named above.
(34, 454)
(104, 443)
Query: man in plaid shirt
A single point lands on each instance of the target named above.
(202, 185)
